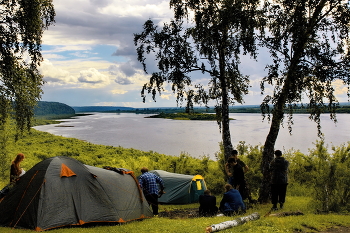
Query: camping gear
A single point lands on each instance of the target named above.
(61, 191)
(179, 188)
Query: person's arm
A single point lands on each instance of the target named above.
(140, 181)
(227, 169)
(245, 169)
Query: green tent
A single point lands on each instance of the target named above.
(179, 188)
(61, 191)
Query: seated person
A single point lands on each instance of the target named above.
(231, 202)
(207, 204)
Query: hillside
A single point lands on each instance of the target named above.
(342, 108)
(53, 110)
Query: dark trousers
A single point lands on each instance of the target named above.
(152, 199)
(278, 193)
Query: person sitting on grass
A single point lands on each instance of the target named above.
(231, 202)
(207, 204)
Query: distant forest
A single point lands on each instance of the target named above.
(342, 108)
(53, 110)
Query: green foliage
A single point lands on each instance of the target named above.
(330, 177)
(22, 24)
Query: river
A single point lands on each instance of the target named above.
(197, 138)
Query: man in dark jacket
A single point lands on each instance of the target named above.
(207, 204)
(279, 179)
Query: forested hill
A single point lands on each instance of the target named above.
(53, 109)
(101, 109)
(342, 108)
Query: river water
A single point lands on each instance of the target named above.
(197, 138)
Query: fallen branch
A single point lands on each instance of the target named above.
(232, 223)
(284, 214)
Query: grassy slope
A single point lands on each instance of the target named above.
(308, 222)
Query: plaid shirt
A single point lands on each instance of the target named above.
(149, 183)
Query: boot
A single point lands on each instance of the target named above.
(281, 205)
(274, 207)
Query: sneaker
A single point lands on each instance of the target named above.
(274, 207)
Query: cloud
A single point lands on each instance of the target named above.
(123, 81)
(53, 74)
(93, 76)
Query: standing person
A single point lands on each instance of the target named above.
(16, 171)
(207, 204)
(236, 177)
(239, 161)
(231, 202)
(246, 191)
(235, 163)
(150, 184)
(279, 179)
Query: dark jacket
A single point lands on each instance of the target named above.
(279, 170)
(207, 205)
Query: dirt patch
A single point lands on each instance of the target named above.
(183, 213)
(337, 229)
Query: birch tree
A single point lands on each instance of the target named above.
(215, 35)
(309, 44)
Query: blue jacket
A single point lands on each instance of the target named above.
(232, 201)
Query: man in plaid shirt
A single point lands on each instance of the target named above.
(150, 184)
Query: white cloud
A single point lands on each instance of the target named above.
(53, 74)
(144, 9)
(93, 76)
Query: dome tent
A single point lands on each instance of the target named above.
(179, 188)
(61, 191)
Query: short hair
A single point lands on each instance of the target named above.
(278, 153)
(228, 187)
(207, 192)
(144, 169)
(234, 152)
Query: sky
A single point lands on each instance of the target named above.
(90, 57)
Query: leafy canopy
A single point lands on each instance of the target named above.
(211, 42)
(21, 27)
(309, 44)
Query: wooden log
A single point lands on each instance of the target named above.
(284, 214)
(232, 223)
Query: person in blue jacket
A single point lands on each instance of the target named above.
(231, 202)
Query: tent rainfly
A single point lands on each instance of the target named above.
(179, 188)
(61, 191)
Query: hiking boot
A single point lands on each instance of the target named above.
(274, 207)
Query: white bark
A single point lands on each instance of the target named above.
(232, 223)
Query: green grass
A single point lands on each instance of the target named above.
(309, 222)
